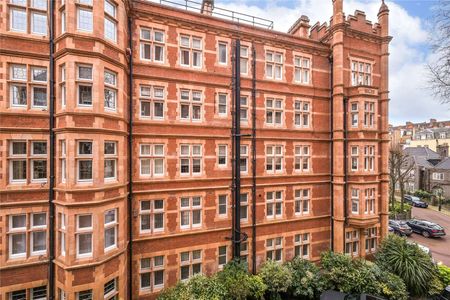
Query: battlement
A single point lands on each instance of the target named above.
(357, 22)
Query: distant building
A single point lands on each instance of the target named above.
(431, 171)
(425, 134)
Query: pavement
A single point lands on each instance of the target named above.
(440, 247)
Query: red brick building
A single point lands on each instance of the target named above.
(117, 152)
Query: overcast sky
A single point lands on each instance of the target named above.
(409, 50)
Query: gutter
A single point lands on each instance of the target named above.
(237, 152)
(51, 192)
(345, 167)
(253, 160)
(130, 160)
(332, 152)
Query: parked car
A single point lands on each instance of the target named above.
(415, 201)
(390, 229)
(400, 227)
(426, 228)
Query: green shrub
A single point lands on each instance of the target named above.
(389, 285)
(307, 282)
(357, 276)
(423, 194)
(444, 274)
(277, 277)
(239, 284)
(407, 261)
(179, 292)
(206, 288)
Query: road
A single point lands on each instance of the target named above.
(440, 247)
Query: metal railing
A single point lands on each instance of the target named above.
(221, 13)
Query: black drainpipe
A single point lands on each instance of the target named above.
(345, 167)
(233, 153)
(130, 160)
(237, 150)
(51, 192)
(332, 152)
(253, 159)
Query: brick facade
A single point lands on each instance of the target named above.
(181, 102)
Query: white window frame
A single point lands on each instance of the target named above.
(111, 225)
(274, 246)
(79, 9)
(17, 231)
(220, 46)
(272, 156)
(302, 241)
(191, 209)
(191, 262)
(156, 153)
(302, 156)
(274, 202)
(302, 196)
(273, 63)
(223, 155)
(191, 156)
(355, 201)
(304, 70)
(150, 213)
(83, 231)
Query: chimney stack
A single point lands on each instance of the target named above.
(442, 150)
(301, 27)
(207, 7)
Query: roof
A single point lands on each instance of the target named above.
(422, 152)
(444, 164)
(422, 162)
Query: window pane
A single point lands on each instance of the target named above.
(19, 170)
(85, 148)
(110, 29)
(18, 243)
(39, 74)
(19, 95)
(85, 19)
(84, 221)
(145, 280)
(85, 243)
(39, 96)
(18, 20)
(85, 95)
(39, 219)
(159, 277)
(39, 23)
(110, 237)
(39, 241)
(19, 148)
(18, 221)
(110, 8)
(19, 72)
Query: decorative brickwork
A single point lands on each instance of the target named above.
(181, 105)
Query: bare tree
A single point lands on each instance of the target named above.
(400, 167)
(440, 44)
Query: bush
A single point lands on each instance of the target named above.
(198, 287)
(239, 284)
(307, 282)
(423, 194)
(276, 277)
(389, 285)
(179, 292)
(357, 276)
(444, 274)
(409, 262)
(347, 275)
